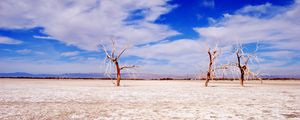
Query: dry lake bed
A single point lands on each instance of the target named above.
(146, 99)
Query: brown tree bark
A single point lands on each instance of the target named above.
(118, 73)
(208, 76)
(207, 79)
(242, 77)
(241, 67)
(115, 60)
(212, 57)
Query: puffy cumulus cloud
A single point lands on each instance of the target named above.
(248, 28)
(6, 40)
(85, 23)
(180, 56)
(275, 27)
(184, 56)
(165, 50)
(263, 11)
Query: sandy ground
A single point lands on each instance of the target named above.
(94, 99)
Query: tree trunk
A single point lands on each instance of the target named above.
(207, 79)
(242, 77)
(241, 68)
(118, 73)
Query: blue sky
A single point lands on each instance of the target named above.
(163, 36)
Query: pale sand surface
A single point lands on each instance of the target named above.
(100, 99)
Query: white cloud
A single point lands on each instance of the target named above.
(167, 50)
(275, 27)
(208, 3)
(86, 23)
(6, 40)
(52, 67)
(24, 51)
(89, 22)
(280, 54)
(69, 54)
(263, 11)
(44, 37)
(249, 29)
(175, 57)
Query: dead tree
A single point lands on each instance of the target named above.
(242, 64)
(243, 67)
(115, 60)
(212, 57)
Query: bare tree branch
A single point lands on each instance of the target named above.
(113, 48)
(125, 67)
(121, 53)
(105, 51)
(210, 72)
(115, 60)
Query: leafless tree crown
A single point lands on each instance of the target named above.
(114, 58)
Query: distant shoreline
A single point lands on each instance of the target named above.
(68, 78)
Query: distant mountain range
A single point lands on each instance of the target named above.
(65, 75)
(124, 75)
(91, 75)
